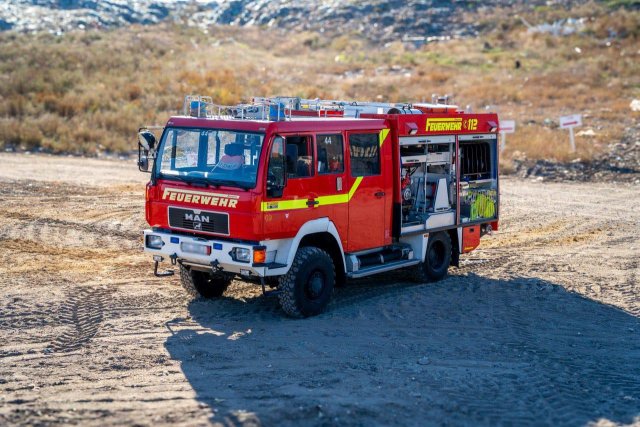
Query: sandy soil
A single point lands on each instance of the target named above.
(539, 326)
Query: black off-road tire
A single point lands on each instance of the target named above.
(437, 259)
(202, 284)
(307, 288)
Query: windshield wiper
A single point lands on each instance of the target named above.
(207, 182)
(228, 183)
(190, 181)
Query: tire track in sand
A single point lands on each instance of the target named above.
(83, 312)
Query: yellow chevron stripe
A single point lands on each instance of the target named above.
(340, 198)
(383, 136)
(284, 205)
(332, 200)
(354, 187)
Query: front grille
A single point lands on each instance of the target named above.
(208, 222)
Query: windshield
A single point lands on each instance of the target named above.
(215, 156)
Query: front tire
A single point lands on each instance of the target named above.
(307, 288)
(437, 258)
(203, 284)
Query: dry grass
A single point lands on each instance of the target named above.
(87, 93)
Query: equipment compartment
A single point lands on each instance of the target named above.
(428, 183)
(478, 178)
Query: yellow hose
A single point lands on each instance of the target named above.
(483, 207)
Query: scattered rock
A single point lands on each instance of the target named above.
(588, 133)
(635, 105)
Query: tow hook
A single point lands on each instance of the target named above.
(158, 259)
(215, 266)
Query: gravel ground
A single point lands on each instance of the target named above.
(541, 325)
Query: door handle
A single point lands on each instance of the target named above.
(379, 194)
(312, 203)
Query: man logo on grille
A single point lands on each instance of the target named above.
(197, 220)
(196, 217)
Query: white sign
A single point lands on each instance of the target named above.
(568, 122)
(507, 126)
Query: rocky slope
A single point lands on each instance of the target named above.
(372, 18)
(620, 162)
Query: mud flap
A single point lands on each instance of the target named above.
(455, 248)
(455, 256)
(265, 292)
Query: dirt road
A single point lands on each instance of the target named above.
(539, 326)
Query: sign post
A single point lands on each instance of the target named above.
(506, 126)
(570, 122)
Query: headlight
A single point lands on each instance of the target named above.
(154, 242)
(241, 254)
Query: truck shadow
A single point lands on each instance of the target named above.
(464, 351)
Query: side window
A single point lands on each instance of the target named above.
(187, 146)
(330, 153)
(168, 155)
(299, 153)
(365, 154)
(275, 173)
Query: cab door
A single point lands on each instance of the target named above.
(292, 156)
(331, 192)
(370, 191)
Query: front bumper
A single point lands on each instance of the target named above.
(180, 248)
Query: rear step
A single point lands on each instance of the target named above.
(381, 268)
(377, 261)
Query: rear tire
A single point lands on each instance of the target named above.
(307, 288)
(205, 285)
(437, 258)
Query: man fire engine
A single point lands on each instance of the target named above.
(302, 195)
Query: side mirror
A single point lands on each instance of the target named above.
(146, 146)
(143, 162)
(274, 189)
(147, 140)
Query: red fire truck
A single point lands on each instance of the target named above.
(302, 195)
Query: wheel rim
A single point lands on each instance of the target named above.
(436, 255)
(315, 285)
